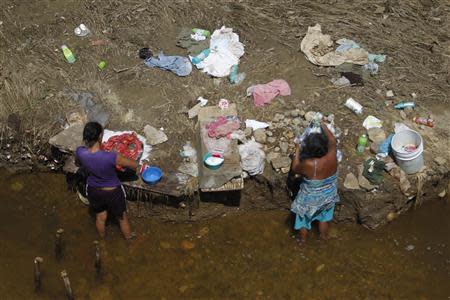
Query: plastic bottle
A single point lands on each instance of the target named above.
(233, 73)
(362, 143)
(68, 54)
(200, 31)
(424, 121)
(197, 59)
(354, 106)
(403, 105)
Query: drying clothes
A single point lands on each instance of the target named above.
(179, 65)
(225, 51)
(223, 126)
(319, 49)
(112, 135)
(374, 170)
(252, 157)
(264, 93)
(194, 47)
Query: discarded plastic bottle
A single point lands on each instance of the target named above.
(354, 106)
(197, 59)
(68, 54)
(403, 105)
(424, 121)
(101, 65)
(233, 73)
(362, 143)
(200, 31)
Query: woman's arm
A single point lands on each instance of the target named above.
(296, 164)
(331, 138)
(126, 162)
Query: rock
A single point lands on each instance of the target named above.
(440, 160)
(204, 231)
(391, 216)
(389, 94)
(374, 148)
(287, 113)
(284, 146)
(305, 123)
(309, 116)
(248, 131)
(297, 121)
(301, 113)
(295, 113)
(269, 133)
(351, 182)
(69, 139)
(154, 136)
(362, 181)
(260, 135)
(278, 117)
(193, 112)
(405, 185)
(187, 245)
(402, 114)
(277, 149)
(285, 170)
(376, 135)
(320, 268)
(281, 162)
(271, 156)
(271, 140)
(442, 194)
(289, 135)
(165, 245)
(410, 248)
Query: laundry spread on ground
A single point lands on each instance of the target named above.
(127, 143)
(223, 126)
(225, 51)
(264, 93)
(179, 65)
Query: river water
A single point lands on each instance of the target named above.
(247, 256)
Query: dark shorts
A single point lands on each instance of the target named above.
(112, 201)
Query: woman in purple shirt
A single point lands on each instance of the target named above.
(104, 190)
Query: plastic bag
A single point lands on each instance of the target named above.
(252, 157)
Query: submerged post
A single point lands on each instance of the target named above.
(37, 273)
(59, 244)
(66, 280)
(98, 262)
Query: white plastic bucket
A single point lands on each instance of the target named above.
(410, 162)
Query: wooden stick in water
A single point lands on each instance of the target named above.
(37, 273)
(66, 280)
(59, 244)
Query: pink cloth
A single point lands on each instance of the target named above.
(264, 93)
(223, 126)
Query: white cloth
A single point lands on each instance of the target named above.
(319, 50)
(372, 122)
(252, 157)
(225, 51)
(146, 148)
(256, 124)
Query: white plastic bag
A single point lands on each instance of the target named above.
(252, 157)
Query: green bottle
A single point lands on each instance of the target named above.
(68, 54)
(203, 32)
(362, 144)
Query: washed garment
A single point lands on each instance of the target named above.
(374, 170)
(223, 126)
(314, 197)
(107, 134)
(179, 65)
(193, 47)
(264, 93)
(225, 51)
(252, 157)
(325, 215)
(319, 49)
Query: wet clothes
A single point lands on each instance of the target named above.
(315, 200)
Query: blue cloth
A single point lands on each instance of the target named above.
(177, 64)
(324, 216)
(314, 198)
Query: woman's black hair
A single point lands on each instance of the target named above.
(315, 145)
(91, 133)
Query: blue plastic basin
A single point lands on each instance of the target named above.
(152, 175)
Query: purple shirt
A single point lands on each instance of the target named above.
(101, 166)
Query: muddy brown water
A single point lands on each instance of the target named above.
(251, 255)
